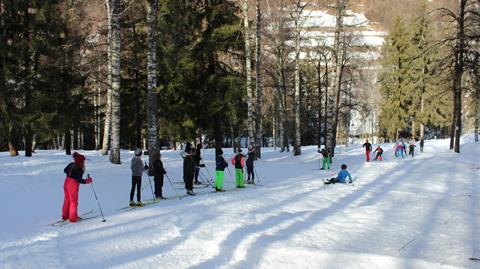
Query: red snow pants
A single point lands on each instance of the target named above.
(70, 200)
(368, 155)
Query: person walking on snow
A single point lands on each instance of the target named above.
(250, 170)
(341, 177)
(158, 174)
(137, 168)
(379, 152)
(74, 171)
(197, 158)
(411, 148)
(368, 149)
(221, 164)
(327, 158)
(238, 161)
(189, 171)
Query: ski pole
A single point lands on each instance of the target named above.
(150, 181)
(256, 173)
(228, 168)
(210, 175)
(98, 203)
(173, 187)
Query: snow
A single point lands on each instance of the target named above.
(420, 212)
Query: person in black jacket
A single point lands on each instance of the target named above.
(158, 173)
(196, 159)
(251, 158)
(221, 164)
(188, 172)
(71, 185)
(368, 149)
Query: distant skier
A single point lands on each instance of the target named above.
(189, 171)
(368, 149)
(74, 171)
(341, 177)
(327, 158)
(379, 152)
(196, 159)
(238, 161)
(250, 160)
(411, 149)
(158, 174)
(422, 142)
(221, 164)
(137, 168)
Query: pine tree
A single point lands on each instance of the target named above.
(394, 114)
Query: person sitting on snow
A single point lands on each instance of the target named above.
(341, 177)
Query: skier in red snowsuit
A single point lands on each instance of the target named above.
(72, 183)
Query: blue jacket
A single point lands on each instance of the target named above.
(342, 176)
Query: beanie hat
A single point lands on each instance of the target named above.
(78, 158)
(138, 152)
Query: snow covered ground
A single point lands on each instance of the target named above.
(402, 213)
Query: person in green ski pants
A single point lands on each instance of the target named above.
(327, 158)
(239, 161)
(221, 164)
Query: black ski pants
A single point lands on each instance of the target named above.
(188, 183)
(250, 172)
(136, 182)
(158, 186)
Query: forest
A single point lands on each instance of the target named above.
(153, 74)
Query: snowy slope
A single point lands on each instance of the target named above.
(401, 213)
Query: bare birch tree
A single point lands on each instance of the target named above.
(115, 81)
(248, 71)
(152, 7)
(258, 91)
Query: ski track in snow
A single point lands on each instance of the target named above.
(420, 212)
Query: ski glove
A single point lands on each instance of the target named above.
(146, 167)
(89, 180)
(202, 165)
(164, 172)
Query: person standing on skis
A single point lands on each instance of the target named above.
(189, 171)
(250, 160)
(238, 161)
(137, 168)
(158, 174)
(411, 148)
(379, 152)
(196, 159)
(74, 171)
(327, 158)
(368, 149)
(221, 164)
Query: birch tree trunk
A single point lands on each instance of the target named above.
(457, 79)
(296, 14)
(339, 51)
(115, 71)
(152, 8)
(248, 70)
(258, 91)
(108, 108)
(477, 108)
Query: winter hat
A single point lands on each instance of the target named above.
(78, 158)
(138, 152)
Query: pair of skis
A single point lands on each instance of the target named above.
(82, 217)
